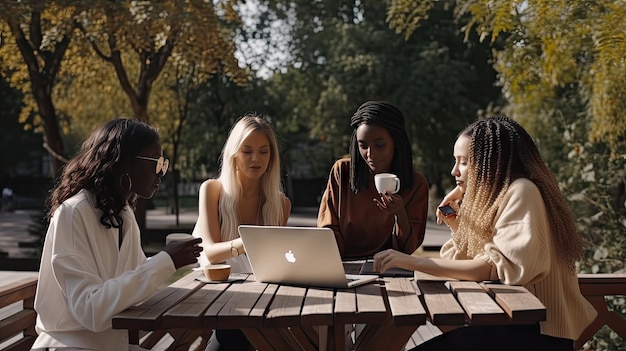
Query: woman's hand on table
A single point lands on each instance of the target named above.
(390, 258)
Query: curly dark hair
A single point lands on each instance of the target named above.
(102, 160)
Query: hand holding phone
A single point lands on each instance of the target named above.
(447, 210)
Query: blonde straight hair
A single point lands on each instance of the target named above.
(231, 186)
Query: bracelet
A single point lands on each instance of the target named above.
(233, 250)
(394, 230)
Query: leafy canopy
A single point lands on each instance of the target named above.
(548, 46)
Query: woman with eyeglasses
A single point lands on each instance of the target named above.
(92, 265)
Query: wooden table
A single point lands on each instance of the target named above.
(279, 317)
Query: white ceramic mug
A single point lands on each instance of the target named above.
(387, 182)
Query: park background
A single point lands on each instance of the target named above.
(191, 68)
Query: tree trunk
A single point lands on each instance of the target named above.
(52, 134)
(42, 81)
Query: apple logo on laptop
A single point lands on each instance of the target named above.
(291, 258)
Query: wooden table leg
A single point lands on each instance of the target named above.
(303, 339)
(384, 336)
(337, 338)
(133, 336)
(257, 339)
(276, 338)
(323, 337)
(315, 336)
(153, 339)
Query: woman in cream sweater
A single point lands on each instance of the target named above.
(513, 225)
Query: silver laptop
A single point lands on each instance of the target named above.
(304, 256)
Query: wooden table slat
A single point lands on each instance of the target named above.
(285, 308)
(404, 303)
(479, 307)
(345, 304)
(318, 307)
(369, 299)
(262, 305)
(370, 304)
(145, 315)
(520, 304)
(190, 311)
(210, 315)
(237, 311)
(442, 306)
(246, 296)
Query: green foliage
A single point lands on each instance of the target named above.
(593, 182)
(548, 45)
(407, 15)
(54, 51)
(344, 54)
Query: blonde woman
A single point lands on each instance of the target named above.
(514, 226)
(248, 191)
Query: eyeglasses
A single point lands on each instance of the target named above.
(161, 163)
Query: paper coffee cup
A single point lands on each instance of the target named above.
(217, 272)
(177, 237)
(170, 238)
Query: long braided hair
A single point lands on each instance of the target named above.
(500, 152)
(103, 158)
(390, 117)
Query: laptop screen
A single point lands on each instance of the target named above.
(306, 256)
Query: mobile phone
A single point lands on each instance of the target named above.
(447, 210)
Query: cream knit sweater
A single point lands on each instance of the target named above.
(521, 253)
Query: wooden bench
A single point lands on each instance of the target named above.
(17, 323)
(17, 326)
(595, 287)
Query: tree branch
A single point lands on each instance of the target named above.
(54, 154)
(116, 60)
(159, 59)
(93, 43)
(35, 29)
(53, 61)
(25, 48)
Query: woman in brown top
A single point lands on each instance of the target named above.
(364, 221)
